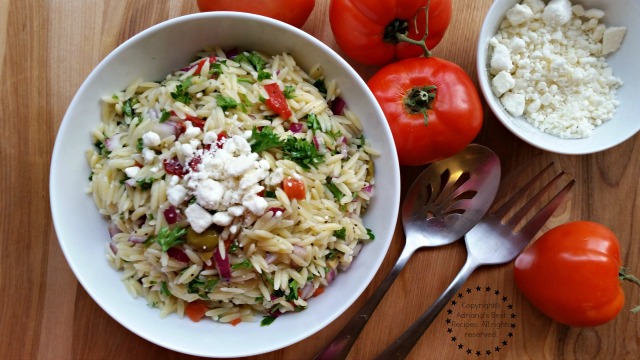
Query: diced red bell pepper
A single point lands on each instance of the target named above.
(276, 101)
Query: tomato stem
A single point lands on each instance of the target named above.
(624, 275)
(398, 29)
(419, 100)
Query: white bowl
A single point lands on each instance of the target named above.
(624, 123)
(82, 231)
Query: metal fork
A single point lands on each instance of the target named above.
(496, 239)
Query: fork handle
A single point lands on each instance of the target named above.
(343, 342)
(402, 346)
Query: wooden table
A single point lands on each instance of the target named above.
(49, 47)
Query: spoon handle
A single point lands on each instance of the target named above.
(402, 346)
(341, 344)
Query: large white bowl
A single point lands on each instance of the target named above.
(623, 63)
(82, 231)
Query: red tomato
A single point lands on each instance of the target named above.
(366, 29)
(428, 124)
(196, 310)
(571, 274)
(294, 188)
(293, 12)
(276, 101)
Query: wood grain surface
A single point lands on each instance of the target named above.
(48, 48)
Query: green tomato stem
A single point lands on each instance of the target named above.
(624, 275)
(419, 100)
(398, 29)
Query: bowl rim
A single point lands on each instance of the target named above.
(57, 158)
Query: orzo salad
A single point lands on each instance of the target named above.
(234, 188)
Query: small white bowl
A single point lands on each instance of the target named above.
(82, 232)
(623, 63)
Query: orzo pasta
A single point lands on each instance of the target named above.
(234, 187)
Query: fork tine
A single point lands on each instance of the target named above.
(509, 204)
(537, 222)
(535, 199)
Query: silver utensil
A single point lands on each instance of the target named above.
(446, 200)
(497, 239)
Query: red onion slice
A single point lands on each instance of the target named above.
(307, 291)
(113, 247)
(223, 265)
(331, 275)
(171, 215)
(113, 229)
(295, 127)
(137, 239)
(337, 106)
(178, 254)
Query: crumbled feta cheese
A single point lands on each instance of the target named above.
(132, 171)
(502, 83)
(176, 194)
(192, 132)
(555, 74)
(241, 164)
(148, 155)
(210, 137)
(198, 218)
(222, 218)
(501, 59)
(275, 178)
(209, 193)
(256, 204)
(236, 210)
(519, 14)
(557, 13)
(150, 139)
(612, 38)
(594, 14)
(514, 103)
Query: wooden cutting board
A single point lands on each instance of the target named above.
(49, 47)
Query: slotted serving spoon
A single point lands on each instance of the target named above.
(497, 239)
(446, 200)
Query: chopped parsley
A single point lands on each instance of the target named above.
(169, 238)
(331, 255)
(259, 299)
(246, 264)
(319, 84)
(182, 94)
(252, 58)
(289, 92)
(164, 289)
(201, 286)
(270, 194)
(371, 235)
(101, 148)
(215, 69)
(91, 176)
(145, 184)
(264, 139)
(263, 75)
(246, 79)
(127, 108)
(140, 144)
(165, 116)
(293, 293)
(312, 122)
(302, 152)
(233, 247)
(267, 320)
(340, 234)
(226, 103)
(337, 194)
